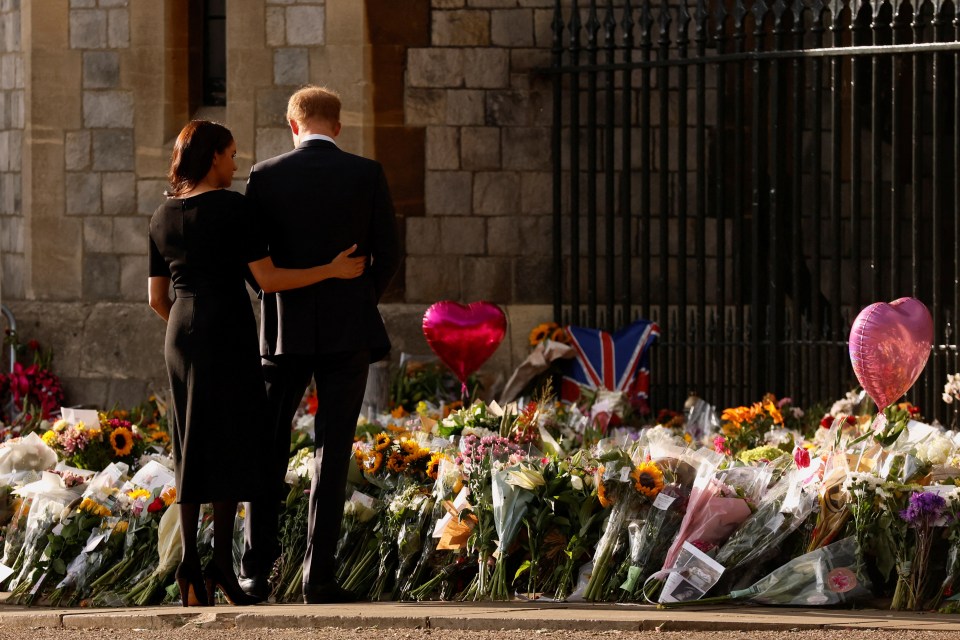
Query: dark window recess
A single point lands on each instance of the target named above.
(214, 53)
(207, 53)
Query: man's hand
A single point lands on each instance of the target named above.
(346, 267)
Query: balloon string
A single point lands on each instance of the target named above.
(463, 393)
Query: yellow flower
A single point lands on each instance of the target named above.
(409, 447)
(396, 462)
(371, 462)
(541, 332)
(169, 496)
(94, 507)
(560, 335)
(49, 438)
(648, 479)
(433, 467)
(602, 490)
(381, 441)
(122, 441)
(60, 425)
(121, 527)
(138, 493)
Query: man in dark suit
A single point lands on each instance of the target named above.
(311, 203)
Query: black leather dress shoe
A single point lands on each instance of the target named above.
(257, 588)
(327, 593)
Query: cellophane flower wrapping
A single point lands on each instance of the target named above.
(49, 499)
(704, 488)
(826, 576)
(616, 491)
(651, 537)
(785, 507)
(512, 491)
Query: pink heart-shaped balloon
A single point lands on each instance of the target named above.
(464, 336)
(889, 346)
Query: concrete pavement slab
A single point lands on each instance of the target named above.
(478, 617)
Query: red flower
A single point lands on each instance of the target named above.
(827, 422)
(155, 506)
(34, 345)
(802, 457)
(851, 421)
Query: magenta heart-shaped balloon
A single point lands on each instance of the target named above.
(889, 346)
(464, 336)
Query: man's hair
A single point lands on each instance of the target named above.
(314, 103)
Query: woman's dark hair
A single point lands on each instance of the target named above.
(193, 154)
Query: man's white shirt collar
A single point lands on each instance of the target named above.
(317, 136)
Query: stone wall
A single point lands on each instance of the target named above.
(486, 232)
(11, 130)
(442, 94)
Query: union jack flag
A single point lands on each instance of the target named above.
(617, 362)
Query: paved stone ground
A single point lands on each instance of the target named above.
(371, 633)
(472, 621)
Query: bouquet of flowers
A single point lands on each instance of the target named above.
(745, 427)
(50, 497)
(514, 488)
(93, 447)
(627, 490)
(140, 554)
(781, 511)
(152, 589)
(651, 538)
(564, 530)
(65, 541)
(825, 576)
(35, 391)
(103, 546)
(924, 511)
(952, 521)
(480, 458)
(286, 578)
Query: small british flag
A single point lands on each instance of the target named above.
(617, 362)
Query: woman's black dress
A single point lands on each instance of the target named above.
(203, 243)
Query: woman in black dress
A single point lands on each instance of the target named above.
(204, 240)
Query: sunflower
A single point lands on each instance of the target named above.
(560, 335)
(541, 332)
(602, 490)
(94, 507)
(648, 479)
(433, 466)
(370, 463)
(417, 462)
(409, 447)
(381, 441)
(396, 462)
(121, 439)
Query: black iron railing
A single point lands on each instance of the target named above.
(750, 175)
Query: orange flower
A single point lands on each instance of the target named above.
(399, 412)
(602, 490)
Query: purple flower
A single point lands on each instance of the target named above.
(925, 509)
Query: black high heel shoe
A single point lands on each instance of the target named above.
(216, 578)
(190, 581)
